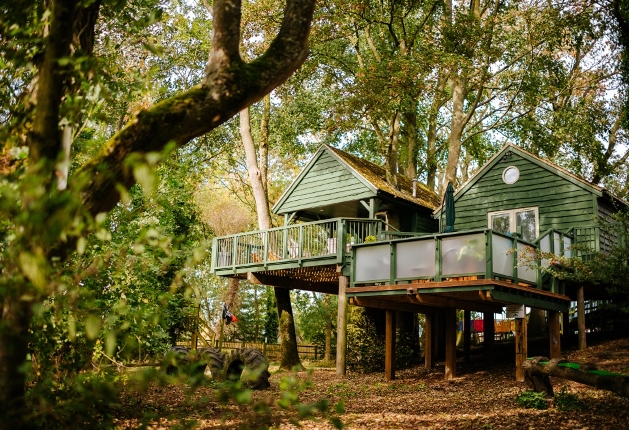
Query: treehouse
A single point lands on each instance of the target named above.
(350, 232)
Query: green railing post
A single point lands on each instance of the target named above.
(340, 242)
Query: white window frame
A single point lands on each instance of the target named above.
(511, 213)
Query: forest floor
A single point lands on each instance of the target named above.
(479, 397)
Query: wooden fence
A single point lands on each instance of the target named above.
(272, 350)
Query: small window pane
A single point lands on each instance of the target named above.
(500, 223)
(510, 175)
(526, 220)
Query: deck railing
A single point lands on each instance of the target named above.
(327, 239)
(475, 254)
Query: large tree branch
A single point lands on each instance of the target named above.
(230, 85)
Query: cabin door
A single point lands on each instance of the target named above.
(524, 221)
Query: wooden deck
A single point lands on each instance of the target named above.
(481, 295)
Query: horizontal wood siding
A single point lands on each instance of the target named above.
(561, 203)
(327, 182)
(425, 223)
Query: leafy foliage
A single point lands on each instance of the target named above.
(532, 400)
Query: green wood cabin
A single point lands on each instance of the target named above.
(349, 232)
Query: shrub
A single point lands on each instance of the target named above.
(532, 400)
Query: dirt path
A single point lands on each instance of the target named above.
(479, 398)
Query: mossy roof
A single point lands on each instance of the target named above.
(376, 176)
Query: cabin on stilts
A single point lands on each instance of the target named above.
(350, 232)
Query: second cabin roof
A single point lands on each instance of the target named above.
(372, 176)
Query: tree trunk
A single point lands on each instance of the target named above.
(431, 138)
(410, 131)
(290, 355)
(288, 343)
(456, 128)
(328, 332)
(582, 373)
(14, 337)
(392, 150)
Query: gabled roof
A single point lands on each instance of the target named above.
(545, 164)
(369, 174)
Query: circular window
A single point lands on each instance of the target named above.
(510, 175)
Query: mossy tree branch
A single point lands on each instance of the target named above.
(229, 86)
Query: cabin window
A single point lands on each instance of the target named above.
(510, 175)
(524, 220)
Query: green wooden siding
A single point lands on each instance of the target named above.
(424, 223)
(326, 183)
(561, 203)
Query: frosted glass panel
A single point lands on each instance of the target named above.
(544, 246)
(373, 263)
(503, 260)
(463, 254)
(415, 259)
(567, 243)
(557, 240)
(524, 272)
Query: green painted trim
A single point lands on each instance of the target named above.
(533, 302)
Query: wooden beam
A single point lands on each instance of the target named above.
(581, 317)
(293, 283)
(554, 334)
(488, 337)
(341, 329)
(450, 340)
(467, 333)
(389, 346)
(521, 347)
(434, 300)
(372, 302)
(429, 341)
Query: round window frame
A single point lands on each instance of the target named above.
(504, 175)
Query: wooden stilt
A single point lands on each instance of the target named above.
(341, 328)
(429, 340)
(554, 334)
(581, 317)
(488, 337)
(450, 341)
(389, 346)
(521, 344)
(467, 336)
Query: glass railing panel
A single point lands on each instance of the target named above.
(567, 243)
(502, 258)
(373, 263)
(463, 254)
(557, 243)
(544, 246)
(415, 259)
(524, 272)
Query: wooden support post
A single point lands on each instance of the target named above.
(429, 340)
(450, 341)
(341, 328)
(488, 336)
(467, 336)
(389, 346)
(581, 317)
(521, 344)
(554, 334)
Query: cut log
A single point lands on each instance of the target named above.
(537, 371)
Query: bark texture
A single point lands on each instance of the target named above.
(538, 370)
(288, 344)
